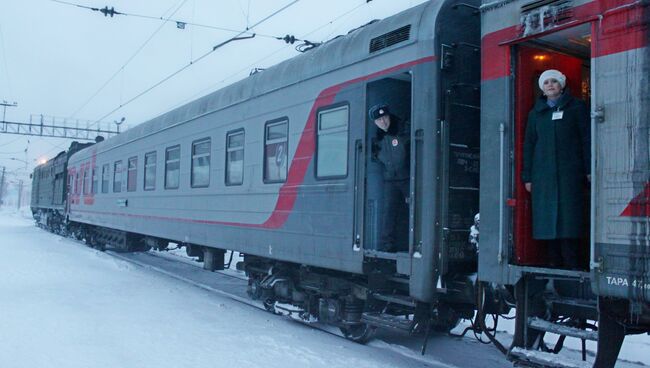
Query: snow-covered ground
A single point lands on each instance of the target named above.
(65, 305)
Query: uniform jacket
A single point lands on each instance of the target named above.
(393, 149)
(556, 162)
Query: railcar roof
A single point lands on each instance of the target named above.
(338, 52)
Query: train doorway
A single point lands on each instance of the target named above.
(387, 183)
(568, 51)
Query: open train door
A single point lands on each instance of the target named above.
(395, 93)
(567, 50)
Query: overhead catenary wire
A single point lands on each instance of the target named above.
(182, 24)
(13, 141)
(266, 57)
(121, 68)
(337, 18)
(192, 62)
(179, 23)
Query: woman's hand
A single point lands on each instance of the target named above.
(529, 186)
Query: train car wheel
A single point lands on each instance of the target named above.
(89, 239)
(359, 333)
(269, 305)
(445, 320)
(444, 326)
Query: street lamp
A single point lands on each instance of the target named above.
(19, 160)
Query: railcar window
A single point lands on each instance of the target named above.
(132, 174)
(95, 179)
(85, 181)
(117, 177)
(105, 178)
(201, 163)
(235, 158)
(77, 185)
(150, 171)
(172, 167)
(275, 151)
(332, 153)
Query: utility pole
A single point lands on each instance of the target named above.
(2, 185)
(20, 193)
(4, 105)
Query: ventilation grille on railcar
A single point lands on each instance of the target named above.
(391, 38)
(542, 3)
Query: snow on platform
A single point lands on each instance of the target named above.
(63, 304)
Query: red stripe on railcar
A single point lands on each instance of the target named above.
(300, 162)
(640, 205)
(623, 27)
(495, 59)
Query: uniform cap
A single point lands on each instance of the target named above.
(378, 111)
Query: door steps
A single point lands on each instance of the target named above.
(530, 358)
(556, 328)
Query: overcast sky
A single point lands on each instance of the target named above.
(54, 57)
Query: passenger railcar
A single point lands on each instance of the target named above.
(279, 167)
(602, 47)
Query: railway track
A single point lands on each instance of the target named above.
(231, 285)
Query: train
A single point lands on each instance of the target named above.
(279, 167)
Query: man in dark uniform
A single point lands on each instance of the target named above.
(392, 147)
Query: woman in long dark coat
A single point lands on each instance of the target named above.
(557, 162)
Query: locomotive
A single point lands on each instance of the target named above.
(279, 167)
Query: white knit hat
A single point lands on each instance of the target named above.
(552, 73)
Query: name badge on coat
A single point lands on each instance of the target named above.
(557, 115)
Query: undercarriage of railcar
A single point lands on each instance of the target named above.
(356, 304)
(51, 220)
